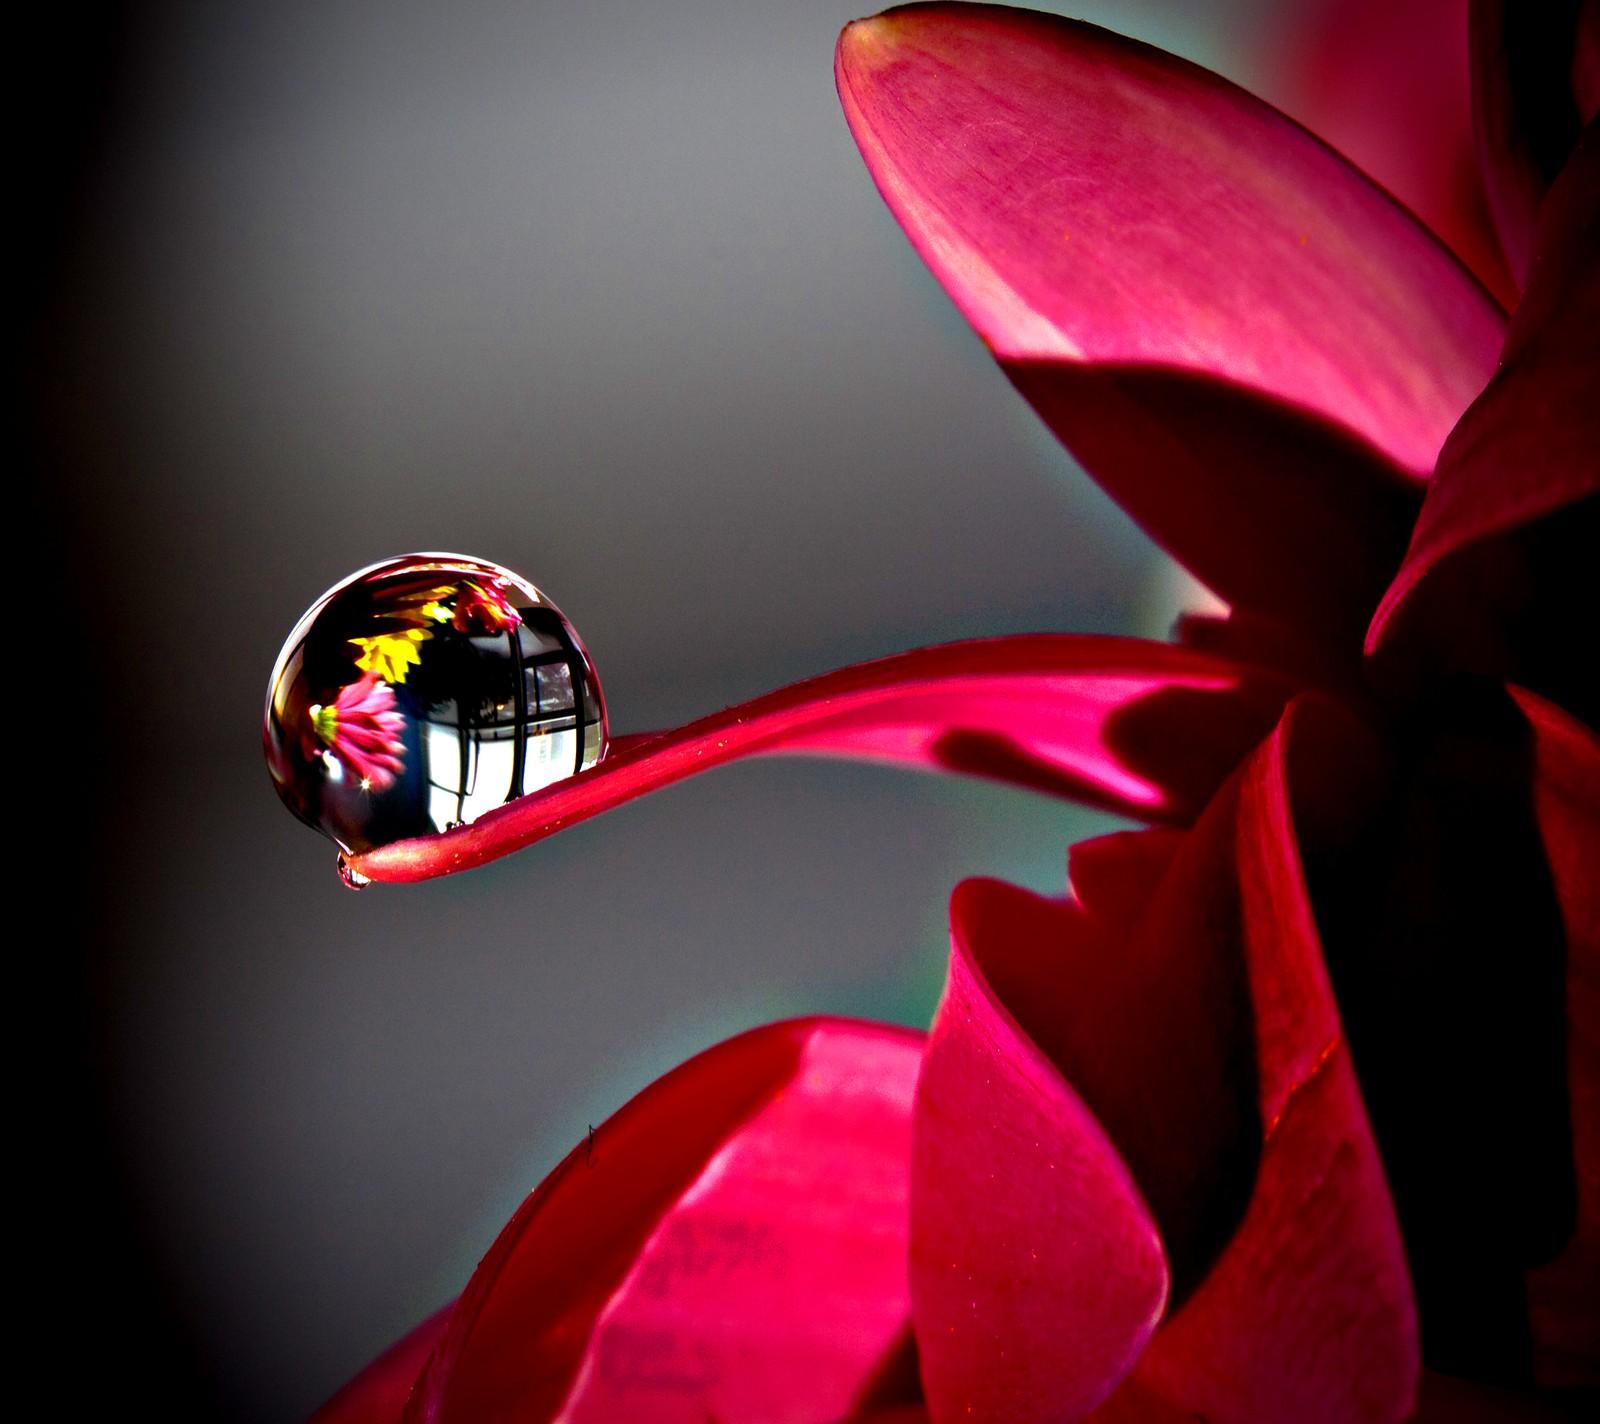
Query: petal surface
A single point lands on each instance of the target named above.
(1387, 85)
(1498, 576)
(731, 1246)
(379, 1393)
(1535, 85)
(1037, 1273)
(1449, 944)
(1306, 1312)
(1144, 728)
(1564, 1295)
(1255, 350)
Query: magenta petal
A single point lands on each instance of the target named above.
(1387, 86)
(1250, 345)
(378, 1394)
(1306, 1314)
(1535, 84)
(731, 1246)
(1564, 1296)
(1037, 1274)
(1497, 579)
(1140, 727)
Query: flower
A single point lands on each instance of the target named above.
(1299, 1089)
(364, 730)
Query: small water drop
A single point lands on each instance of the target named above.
(421, 692)
(353, 879)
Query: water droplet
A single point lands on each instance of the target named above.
(422, 692)
(353, 878)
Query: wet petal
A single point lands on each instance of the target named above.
(1037, 1273)
(1141, 727)
(1564, 1295)
(732, 1245)
(1306, 1313)
(1254, 349)
(1536, 84)
(1498, 578)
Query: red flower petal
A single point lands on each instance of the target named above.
(732, 1246)
(1037, 1274)
(1536, 83)
(1564, 1296)
(1497, 579)
(1446, 938)
(1307, 1313)
(1387, 86)
(1141, 727)
(378, 1394)
(1254, 349)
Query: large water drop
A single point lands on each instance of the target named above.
(422, 692)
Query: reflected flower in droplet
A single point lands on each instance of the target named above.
(364, 730)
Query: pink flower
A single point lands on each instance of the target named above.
(1296, 1092)
(365, 731)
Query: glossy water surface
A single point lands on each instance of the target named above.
(423, 691)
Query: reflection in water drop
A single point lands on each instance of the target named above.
(422, 692)
(353, 879)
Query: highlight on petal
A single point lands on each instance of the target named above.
(1535, 85)
(1498, 578)
(1564, 1294)
(1144, 728)
(1180, 1007)
(731, 1245)
(1254, 349)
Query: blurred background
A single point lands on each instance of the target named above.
(600, 291)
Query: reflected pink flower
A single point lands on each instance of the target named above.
(484, 609)
(1294, 1093)
(365, 731)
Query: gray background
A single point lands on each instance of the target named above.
(600, 291)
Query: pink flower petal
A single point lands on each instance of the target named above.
(1448, 943)
(1037, 1274)
(1564, 1295)
(731, 1246)
(1255, 350)
(1536, 83)
(1387, 86)
(1306, 1313)
(378, 1394)
(1141, 727)
(1497, 578)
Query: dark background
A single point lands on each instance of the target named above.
(597, 290)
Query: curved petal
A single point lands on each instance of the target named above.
(1141, 727)
(1564, 1295)
(1387, 85)
(1535, 85)
(1449, 947)
(1037, 1273)
(379, 1393)
(1255, 350)
(731, 1245)
(1498, 576)
(1306, 1313)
